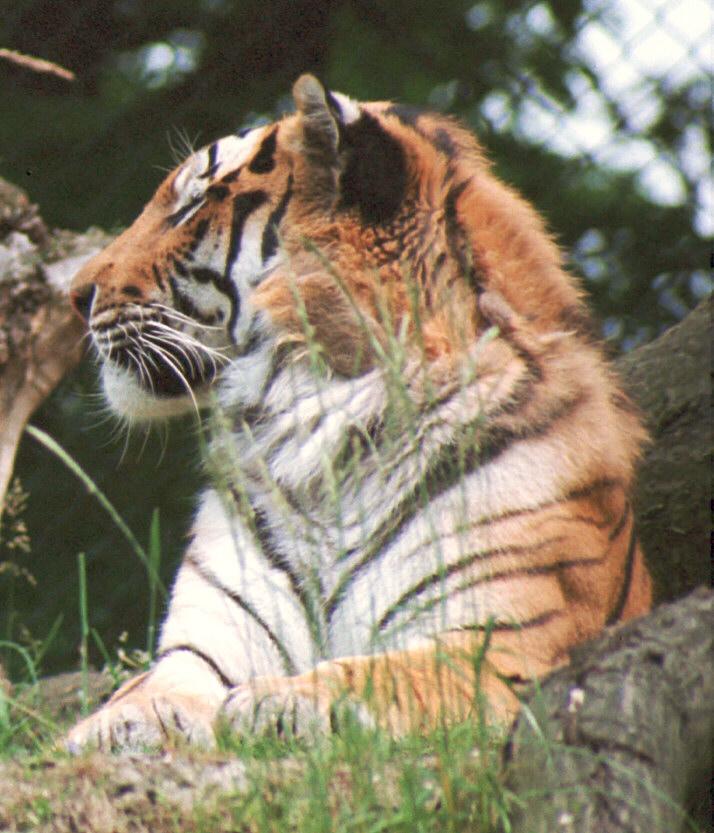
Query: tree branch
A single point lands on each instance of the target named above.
(39, 335)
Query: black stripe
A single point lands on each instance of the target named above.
(243, 206)
(444, 142)
(619, 606)
(497, 439)
(270, 236)
(203, 275)
(482, 556)
(264, 160)
(277, 561)
(620, 525)
(231, 176)
(452, 465)
(157, 277)
(210, 662)
(457, 238)
(495, 625)
(511, 336)
(520, 572)
(576, 494)
(175, 218)
(183, 303)
(212, 167)
(178, 265)
(245, 606)
(198, 234)
(407, 114)
(217, 193)
(441, 139)
(254, 341)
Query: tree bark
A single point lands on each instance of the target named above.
(620, 740)
(40, 338)
(670, 379)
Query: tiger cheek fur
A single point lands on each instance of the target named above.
(421, 445)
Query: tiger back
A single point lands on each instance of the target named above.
(418, 447)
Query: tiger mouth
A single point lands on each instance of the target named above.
(175, 376)
(163, 361)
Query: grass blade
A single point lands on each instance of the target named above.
(53, 446)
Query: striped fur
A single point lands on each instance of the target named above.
(418, 449)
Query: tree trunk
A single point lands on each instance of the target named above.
(624, 733)
(670, 379)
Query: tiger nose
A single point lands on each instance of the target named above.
(82, 299)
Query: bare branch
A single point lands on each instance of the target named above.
(36, 64)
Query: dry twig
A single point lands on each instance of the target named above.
(36, 64)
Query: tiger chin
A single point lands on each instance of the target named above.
(421, 451)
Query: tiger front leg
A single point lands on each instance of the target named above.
(447, 681)
(174, 703)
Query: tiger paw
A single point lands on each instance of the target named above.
(295, 707)
(142, 721)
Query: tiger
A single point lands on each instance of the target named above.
(420, 461)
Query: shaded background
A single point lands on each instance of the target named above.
(597, 110)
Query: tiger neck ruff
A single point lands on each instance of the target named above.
(417, 448)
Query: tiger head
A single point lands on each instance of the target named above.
(346, 223)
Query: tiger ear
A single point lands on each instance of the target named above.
(318, 120)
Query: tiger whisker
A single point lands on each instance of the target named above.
(169, 361)
(88, 335)
(184, 319)
(146, 357)
(137, 358)
(180, 145)
(189, 341)
(192, 361)
(188, 347)
(191, 349)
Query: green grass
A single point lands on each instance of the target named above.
(359, 780)
(363, 780)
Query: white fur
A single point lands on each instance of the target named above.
(131, 401)
(206, 618)
(232, 152)
(323, 525)
(349, 107)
